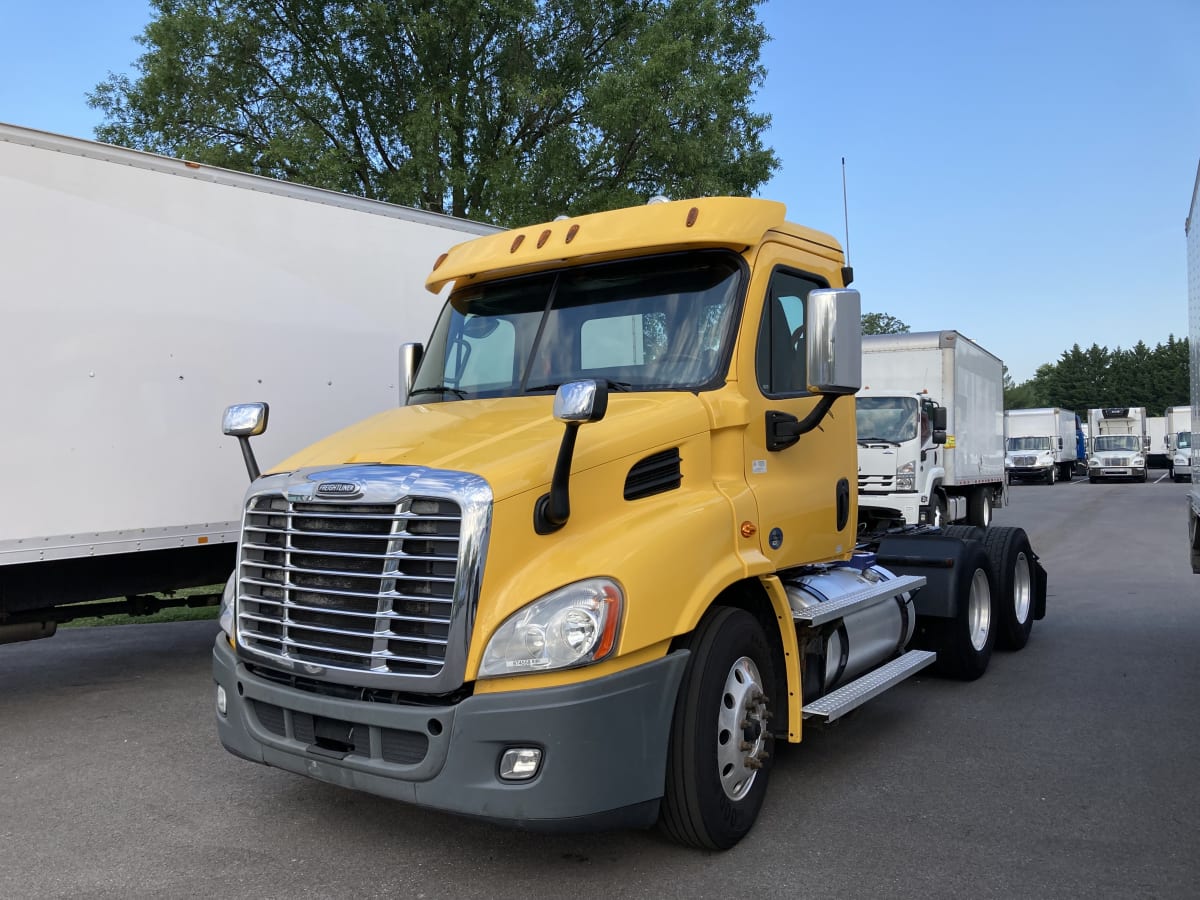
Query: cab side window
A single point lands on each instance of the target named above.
(780, 358)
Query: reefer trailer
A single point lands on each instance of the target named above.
(1040, 444)
(930, 429)
(140, 293)
(1119, 443)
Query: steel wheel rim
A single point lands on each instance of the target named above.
(979, 610)
(741, 729)
(1022, 588)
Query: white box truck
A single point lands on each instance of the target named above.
(1179, 441)
(1039, 444)
(1118, 444)
(1157, 450)
(1191, 230)
(930, 421)
(140, 295)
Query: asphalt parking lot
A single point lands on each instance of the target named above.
(1070, 769)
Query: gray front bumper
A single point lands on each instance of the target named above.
(604, 744)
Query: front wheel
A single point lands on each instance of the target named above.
(719, 757)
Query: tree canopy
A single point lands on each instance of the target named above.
(1097, 377)
(507, 111)
(882, 323)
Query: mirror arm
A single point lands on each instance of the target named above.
(783, 429)
(552, 510)
(248, 456)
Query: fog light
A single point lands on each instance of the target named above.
(520, 763)
(222, 704)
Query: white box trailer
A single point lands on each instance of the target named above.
(1157, 451)
(1191, 231)
(1119, 442)
(908, 466)
(143, 294)
(1179, 442)
(1040, 444)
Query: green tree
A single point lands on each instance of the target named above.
(509, 111)
(1026, 395)
(1080, 380)
(882, 323)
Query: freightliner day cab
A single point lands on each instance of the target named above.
(606, 558)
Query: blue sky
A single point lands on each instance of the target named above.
(1019, 171)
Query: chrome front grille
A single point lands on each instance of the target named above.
(1118, 461)
(876, 484)
(364, 587)
(1024, 460)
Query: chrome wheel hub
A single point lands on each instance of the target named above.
(742, 735)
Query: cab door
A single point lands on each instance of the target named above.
(806, 492)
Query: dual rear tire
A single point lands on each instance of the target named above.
(964, 643)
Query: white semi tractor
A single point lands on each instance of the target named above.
(140, 294)
(1040, 444)
(1118, 444)
(1179, 441)
(930, 423)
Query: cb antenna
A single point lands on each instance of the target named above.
(847, 269)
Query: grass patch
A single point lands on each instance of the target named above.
(181, 613)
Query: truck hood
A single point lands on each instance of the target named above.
(511, 442)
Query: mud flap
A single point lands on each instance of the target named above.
(933, 556)
(1039, 589)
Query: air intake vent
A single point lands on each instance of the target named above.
(654, 475)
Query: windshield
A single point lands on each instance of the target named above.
(664, 323)
(1118, 442)
(1029, 443)
(1183, 440)
(890, 419)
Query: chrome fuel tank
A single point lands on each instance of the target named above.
(857, 642)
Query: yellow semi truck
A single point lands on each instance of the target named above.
(606, 555)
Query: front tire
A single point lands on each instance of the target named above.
(719, 758)
(1011, 556)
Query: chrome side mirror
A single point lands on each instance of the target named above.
(833, 343)
(410, 360)
(243, 421)
(575, 402)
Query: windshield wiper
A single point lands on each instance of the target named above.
(439, 389)
(612, 386)
(877, 440)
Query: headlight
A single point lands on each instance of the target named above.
(1138, 461)
(906, 478)
(228, 605)
(1182, 461)
(573, 626)
(1093, 463)
(1007, 462)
